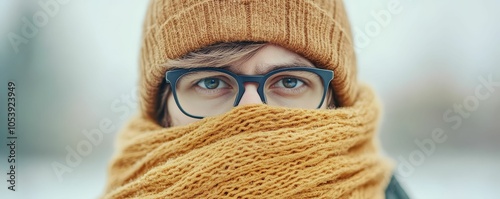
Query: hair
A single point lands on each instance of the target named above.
(216, 55)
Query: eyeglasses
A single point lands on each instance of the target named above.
(203, 92)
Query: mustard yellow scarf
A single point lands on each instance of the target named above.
(254, 151)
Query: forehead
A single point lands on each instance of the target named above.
(269, 58)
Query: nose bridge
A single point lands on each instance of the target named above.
(252, 97)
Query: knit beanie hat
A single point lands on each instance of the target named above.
(316, 29)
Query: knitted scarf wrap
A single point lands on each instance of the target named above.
(254, 151)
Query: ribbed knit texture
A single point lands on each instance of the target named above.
(316, 29)
(254, 151)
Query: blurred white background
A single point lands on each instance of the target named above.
(81, 68)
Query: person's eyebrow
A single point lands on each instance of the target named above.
(266, 68)
(263, 69)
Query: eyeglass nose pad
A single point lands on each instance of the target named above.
(254, 96)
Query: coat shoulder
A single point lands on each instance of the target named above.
(394, 190)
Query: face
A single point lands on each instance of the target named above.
(264, 60)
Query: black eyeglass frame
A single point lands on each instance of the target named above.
(174, 75)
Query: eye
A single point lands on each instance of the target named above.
(289, 82)
(212, 83)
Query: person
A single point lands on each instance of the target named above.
(250, 99)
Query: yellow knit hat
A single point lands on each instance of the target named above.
(316, 29)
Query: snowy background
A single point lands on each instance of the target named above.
(424, 58)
